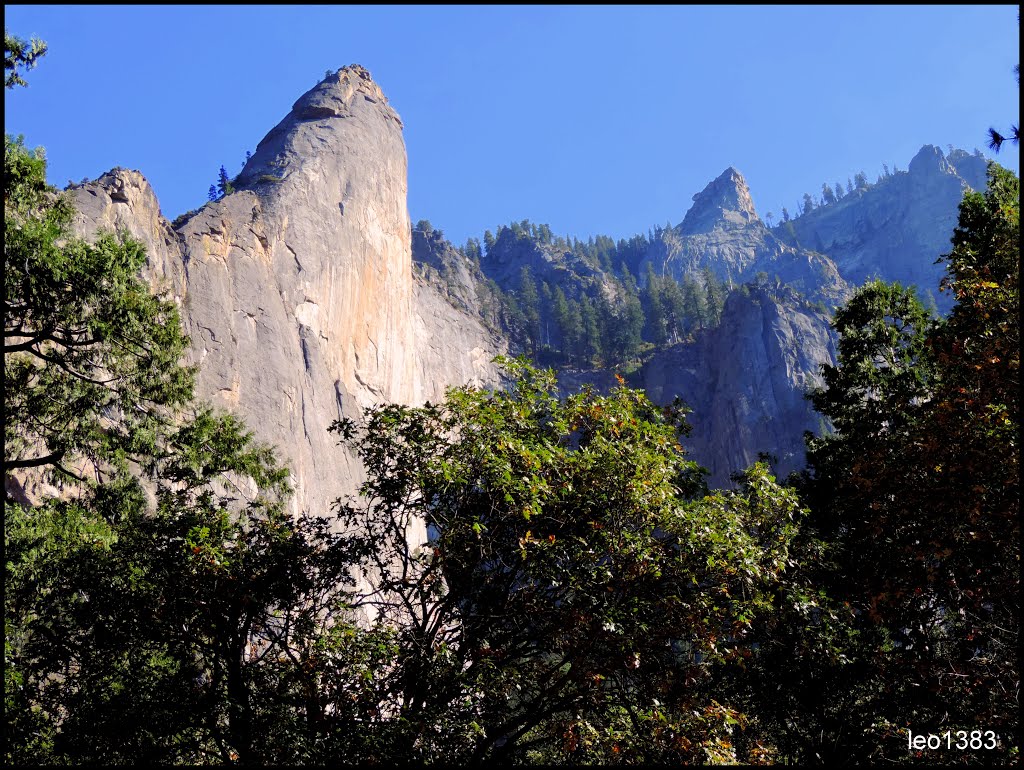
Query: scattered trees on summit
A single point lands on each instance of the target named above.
(586, 322)
(225, 185)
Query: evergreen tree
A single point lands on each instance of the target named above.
(472, 250)
(224, 186)
(547, 299)
(695, 309)
(627, 322)
(591, 338)
(716, 293)
(654, 307)
(675, 308)
(808, 205)
(567, 317)
(20, 53)
(529, 300)
(826, 194)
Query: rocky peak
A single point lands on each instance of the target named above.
(333, 96)
(725, 202)
(297, 289)
(930, 161)
(897, 228)
(314, 129)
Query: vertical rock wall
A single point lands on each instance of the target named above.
(297, 289)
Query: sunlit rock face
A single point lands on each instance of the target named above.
(896, 228)
(307, 299)
(297, 289)
(722, 233)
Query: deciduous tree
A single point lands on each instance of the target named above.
(573, 590)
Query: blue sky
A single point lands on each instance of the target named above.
(594, 119)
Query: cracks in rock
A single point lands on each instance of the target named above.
(263, 241)
(318, 113)
(213, 335)
(294, 256)
(339, 397)
(375, 391)
(306, 355)
(305, 426)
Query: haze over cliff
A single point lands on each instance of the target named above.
(308, 296)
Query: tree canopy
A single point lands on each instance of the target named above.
(917, 491)
(90, 353)
(560, 585)
(19, 53)
(523, 577)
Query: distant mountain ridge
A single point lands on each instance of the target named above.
(308, 294)
(745, 374)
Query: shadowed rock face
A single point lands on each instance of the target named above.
(297, 290)
(746, 380)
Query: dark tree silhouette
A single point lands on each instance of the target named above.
(995, 139)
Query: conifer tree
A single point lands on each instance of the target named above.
(224, 186)
(715, 296)
(655, 310)
(530, 302)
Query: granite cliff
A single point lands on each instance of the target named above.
(297, 289)
(308, 296)
(746, 379)
(897, 228)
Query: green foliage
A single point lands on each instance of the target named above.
(20, 53)
(91, 356)
(529, 301)
(880, 372)
(224, 184)
(181, 632)
(917, 494)
(574, 589)
(606, 318)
